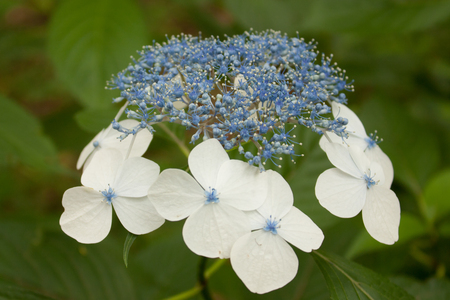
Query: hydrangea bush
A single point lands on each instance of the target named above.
(248, 93)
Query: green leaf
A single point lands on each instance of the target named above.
(303, 180)
(413, 150)
(94, 120)
(410, 227)
(11, 291)
(437, 196)
(166, 266)
(89, 41)
(363, 17)
(126, 247)
(51, 263)
(434, 288)
(349, 280)
(21, 136)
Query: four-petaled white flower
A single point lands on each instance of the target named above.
(109, 138)
(358, 137)
(213, 202)
(108, 182)
(263, 259)
(357, 184)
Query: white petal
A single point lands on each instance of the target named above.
(377, 155)
(263, 261)
(241, 185)
(360, 158)
(176, 195)
(377, 173)
(86, 217)
(205, 161)
(140, 144)
(88, 149)
(341, 194)
(332, 138)
(102, 170)
(354, 126)
(135, 177)
(381, 215)
(279, 198)
(340, 157)
(137, 215)
(257, 221)
(299, 230)
(212, 230)
(353, 140)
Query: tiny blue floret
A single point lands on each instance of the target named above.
(211, 196)
(109, 195)
(369, 180)
(247, 89)
(272, 225)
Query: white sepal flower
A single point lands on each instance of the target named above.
(108, 182)
(263, 259)
(213, 202)
(109, 138)
(358, 137)
(357, 184)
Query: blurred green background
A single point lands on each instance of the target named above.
(55, 59)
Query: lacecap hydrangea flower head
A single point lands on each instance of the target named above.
(245, 92)
(244, 89)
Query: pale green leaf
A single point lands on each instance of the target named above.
(127, 245)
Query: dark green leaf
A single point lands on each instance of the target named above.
(349, 280)
(127, 245)
(21, 136)
(39, 260)
(373, 17)
(413, 150)
(437, 196)
(166, 266)
(303, 180)
(94, 120)
(89, 41)
(434, 288)
(410, 227)
(9, 291)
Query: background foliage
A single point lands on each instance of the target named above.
(55, 59)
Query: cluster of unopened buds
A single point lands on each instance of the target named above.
(248, 93)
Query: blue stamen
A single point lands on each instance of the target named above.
(372, 140)
(211, 196)
(369, 180)
(272, 225)
(109, 195)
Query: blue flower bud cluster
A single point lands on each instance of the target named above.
(247, 88)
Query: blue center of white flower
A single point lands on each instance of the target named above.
(96, 143)
(369, 180)
(272, 225)
(211, 196)
(372, 140)
(109, 195)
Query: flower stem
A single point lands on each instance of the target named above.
(180, 144)
(199, 288)
(203, 282)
